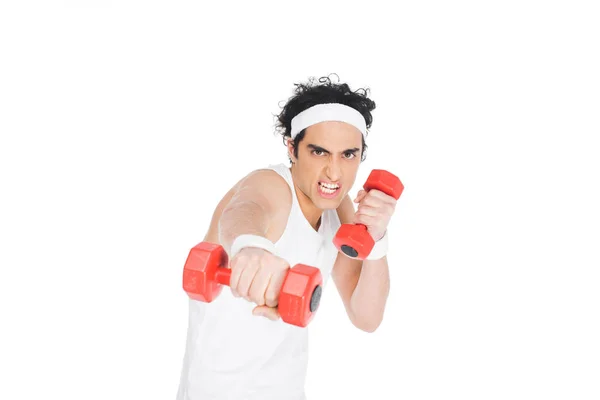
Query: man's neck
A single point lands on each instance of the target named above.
(311, 213)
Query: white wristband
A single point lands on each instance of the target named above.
(380, 249)
(248, 240)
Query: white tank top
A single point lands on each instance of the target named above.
(231, 354)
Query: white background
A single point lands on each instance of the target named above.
(123, 123)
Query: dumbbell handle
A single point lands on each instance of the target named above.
(223, 276)
(361, 226)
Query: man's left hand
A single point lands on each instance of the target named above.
(375, 210)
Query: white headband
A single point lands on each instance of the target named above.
(328, 112)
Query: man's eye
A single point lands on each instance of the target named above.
(317, 151)
(350, 155)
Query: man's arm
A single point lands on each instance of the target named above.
(255, 205)
(363, 285)
(259, 205)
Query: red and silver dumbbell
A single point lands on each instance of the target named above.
(353, 239)
(205, 272)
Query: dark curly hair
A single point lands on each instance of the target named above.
(309, 94)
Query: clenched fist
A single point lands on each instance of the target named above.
(375, 209)
(257, 275)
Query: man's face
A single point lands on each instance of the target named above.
(327, 163)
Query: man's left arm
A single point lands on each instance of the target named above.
(364, 285)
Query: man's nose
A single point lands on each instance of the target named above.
(333, 170)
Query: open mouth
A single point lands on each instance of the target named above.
(328, 190)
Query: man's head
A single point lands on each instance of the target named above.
(326, 153)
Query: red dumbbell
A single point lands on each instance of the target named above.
(353, 239)
(205, 273)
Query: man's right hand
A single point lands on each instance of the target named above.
(257, 275)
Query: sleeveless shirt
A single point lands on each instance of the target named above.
(232, 354)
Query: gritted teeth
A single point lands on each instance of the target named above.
(331, 186)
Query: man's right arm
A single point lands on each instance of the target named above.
(259, 206)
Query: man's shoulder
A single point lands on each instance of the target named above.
(269, 188)
(266, 186)
(263, 178)
(263, 186)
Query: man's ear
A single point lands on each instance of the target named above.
(290, 149)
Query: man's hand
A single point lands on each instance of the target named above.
(375, 210)
(257, 276)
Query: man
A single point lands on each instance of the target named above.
(237, 346)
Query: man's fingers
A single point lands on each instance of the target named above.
(268, 312)
(377, 198)
(245, 280)
(274, 287)
(360, 195)
(259, 287)
(367, 210)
